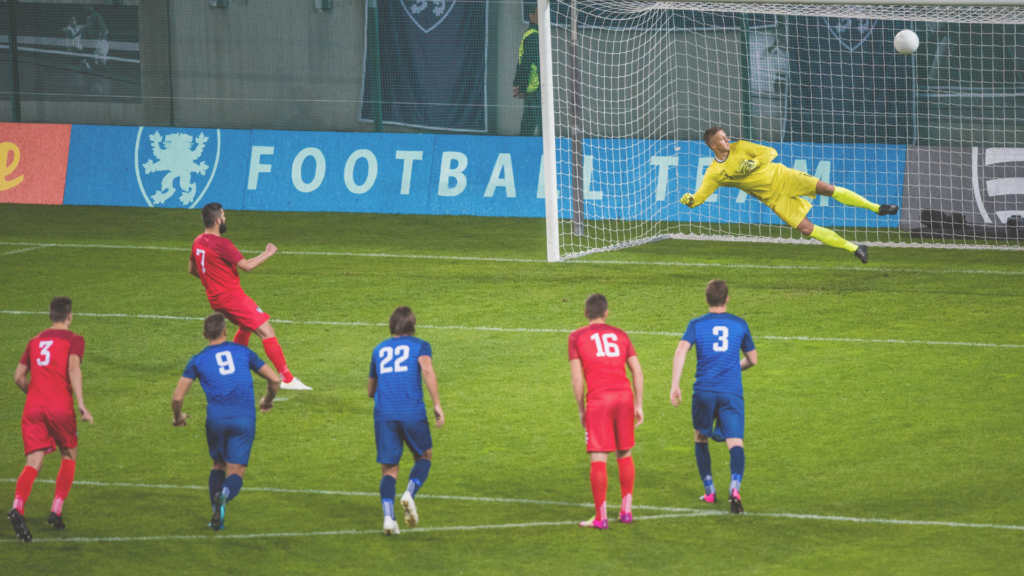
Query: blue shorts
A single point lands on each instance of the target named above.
(230, 438)
(717, 415)
(391, 434)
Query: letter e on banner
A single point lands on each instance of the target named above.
(33, 162)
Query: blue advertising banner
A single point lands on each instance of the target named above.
(444, 174)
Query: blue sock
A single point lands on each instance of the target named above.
(704, 466)
(216, 484)
(387, 495)
(418, 476)
(232, 486)
(737, 460)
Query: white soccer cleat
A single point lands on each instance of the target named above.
(411, 517)
(390, 526)
(295, 384)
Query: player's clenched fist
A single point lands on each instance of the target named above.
(687, 199)
(271, 250)
(747, 166)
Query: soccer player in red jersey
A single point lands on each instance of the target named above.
(598, 357)
(54, 359)
(215, 261)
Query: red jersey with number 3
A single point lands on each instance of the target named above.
(216, 258)
(47, 358)
(603, 350)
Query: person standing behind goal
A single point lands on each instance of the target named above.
(598, 357)
(718, 390)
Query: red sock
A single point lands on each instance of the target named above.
(23, 489)
(65, 477)
(276, 356)
(242, 337)
(627, 473)
(599, 486)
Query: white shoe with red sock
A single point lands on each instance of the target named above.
(295, 384)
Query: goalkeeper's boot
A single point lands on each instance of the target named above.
(862, 253)
(709, 498)
(411, 517)
(295, 384)
(888, 209)
(595, 523)
(390, 526)
(20, 526)
(55, 520)
(735, 507)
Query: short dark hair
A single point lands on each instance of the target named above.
(211, 212)
(710, 133)
(402, 321)
(214, 326)
(60, 307)
(596, 306)
(716, 293)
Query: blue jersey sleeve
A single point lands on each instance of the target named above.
(255, 362)
(190, 369)
(690, 335)
(747, 344)
(425, 349)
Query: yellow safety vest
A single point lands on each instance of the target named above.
(534, 83)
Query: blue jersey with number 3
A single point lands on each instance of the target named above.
(719, 339)
(224, 373)
(396, 366)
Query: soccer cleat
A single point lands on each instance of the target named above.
(595, 523)
(734, 502)
(295, 384)
(56, 521)
(626, 517)
(20, 527)
(217, 521)
(709, 498)
(390, 526)
(862, 253)
(411, 517)
(888, 209)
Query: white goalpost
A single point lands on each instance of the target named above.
(628, 88)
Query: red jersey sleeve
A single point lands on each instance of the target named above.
(77, 346)
(26, 358)
(630, 351)
(228, 252)
(574, 349)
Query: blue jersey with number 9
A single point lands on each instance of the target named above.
(224, 373)
(719, 339)
(396, 366)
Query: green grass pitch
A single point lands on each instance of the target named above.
(905, 420)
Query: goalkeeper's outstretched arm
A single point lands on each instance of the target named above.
(707, 188)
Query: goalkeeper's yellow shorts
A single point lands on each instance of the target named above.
(790, 202)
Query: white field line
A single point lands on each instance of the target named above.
(26, 249)
(667, 513)
(539, 261)
(541, 330)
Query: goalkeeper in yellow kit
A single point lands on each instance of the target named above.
(749, 167)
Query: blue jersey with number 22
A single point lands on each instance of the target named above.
(396, 366)
(719, 339)
(224, 373)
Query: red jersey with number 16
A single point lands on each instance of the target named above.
(47, 358)
(216, 258)
(603, 350)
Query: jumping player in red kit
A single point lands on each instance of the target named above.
(54, 360)
(216, 261)
(598, 357)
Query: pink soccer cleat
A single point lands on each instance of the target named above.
(709, 498)
(734, 502)
(626, 517)
(595, 523)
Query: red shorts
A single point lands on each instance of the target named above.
(609, 423)
(46, 429)
(239, 309)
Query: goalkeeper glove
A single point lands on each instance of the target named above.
(748, 166)
(687, 199)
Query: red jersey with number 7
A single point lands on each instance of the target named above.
(603, 350)
(47, 358)
(215, 259)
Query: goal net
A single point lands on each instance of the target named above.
(939, 133)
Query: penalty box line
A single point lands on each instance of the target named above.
(538, 261)
(538, 330)
(667, 512)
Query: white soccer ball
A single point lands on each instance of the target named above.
(906, 42)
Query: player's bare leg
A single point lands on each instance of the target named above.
(417, 477)
(736, 464)
(851, 198)
(388, 479)
(627, 476)
(599, 488)
(65, 477)
(830, 238)
(22, 490)
(276, 357)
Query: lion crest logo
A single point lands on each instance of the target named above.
(850, 32)
(428, 14)
(179, 157)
